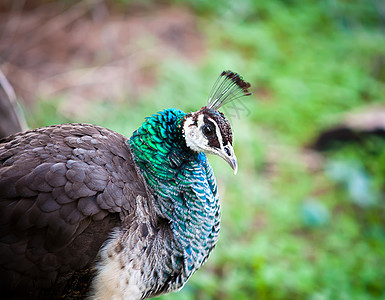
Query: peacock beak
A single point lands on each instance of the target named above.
(227, 153)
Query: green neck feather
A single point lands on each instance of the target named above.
(159, 148)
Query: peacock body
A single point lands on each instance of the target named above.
(85, 210)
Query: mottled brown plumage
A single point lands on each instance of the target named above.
(70, 164)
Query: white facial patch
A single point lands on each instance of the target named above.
(195, 139)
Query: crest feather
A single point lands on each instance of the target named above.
(228, 87)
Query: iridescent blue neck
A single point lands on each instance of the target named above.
(182, 183)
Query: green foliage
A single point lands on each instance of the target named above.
(289, 230)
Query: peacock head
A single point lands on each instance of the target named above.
(207, 130)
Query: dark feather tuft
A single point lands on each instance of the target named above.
(228, 87)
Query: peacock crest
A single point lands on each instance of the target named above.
(228, 87)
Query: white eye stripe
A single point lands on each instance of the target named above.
(217, 131)
(200, 121)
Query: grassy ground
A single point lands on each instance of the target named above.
(296, 224)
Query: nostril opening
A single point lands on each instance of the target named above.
(228, 151)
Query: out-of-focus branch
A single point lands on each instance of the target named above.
(11, 118)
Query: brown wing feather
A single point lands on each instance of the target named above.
(63, 189)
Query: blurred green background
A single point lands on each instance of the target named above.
(296, 223)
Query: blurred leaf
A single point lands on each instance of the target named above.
(315, 213)
(356, 180)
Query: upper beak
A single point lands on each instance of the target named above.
(227, 153)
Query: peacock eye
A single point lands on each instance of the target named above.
(208, 130)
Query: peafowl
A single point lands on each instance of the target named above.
(86, 211)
